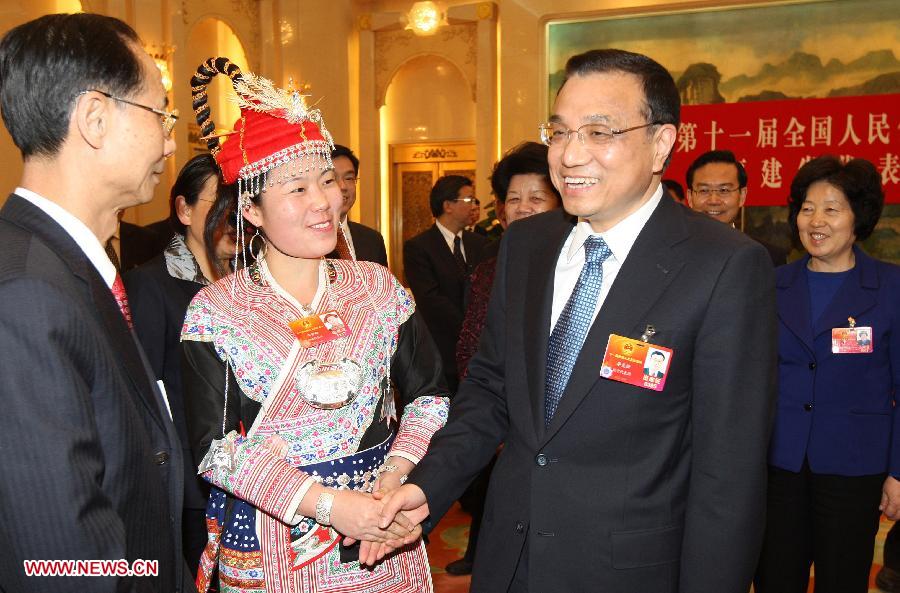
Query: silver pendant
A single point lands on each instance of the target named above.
(221, 455)
(330, 385)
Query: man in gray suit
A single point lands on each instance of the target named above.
(607, 482)
(90, 462)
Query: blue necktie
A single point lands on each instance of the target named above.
(573, 324)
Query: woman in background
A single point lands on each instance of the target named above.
(835, 451)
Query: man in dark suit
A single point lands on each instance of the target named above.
(91, 465)
(437, 264)
(135, 245)
(717, 187)
(603, 484)
(355, 241)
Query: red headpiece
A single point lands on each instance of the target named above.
(275, 128)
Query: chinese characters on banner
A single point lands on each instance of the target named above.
(775, 138)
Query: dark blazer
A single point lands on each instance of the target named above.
(440, 286)
(367, 242)
(158, 304)
(838, 410)
(138, 245)
(776, 253)
(627, 490)
(90, 461)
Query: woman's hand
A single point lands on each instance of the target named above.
(357, 516)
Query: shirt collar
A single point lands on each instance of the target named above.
(622, 236)
(447, 233)
(75, 228)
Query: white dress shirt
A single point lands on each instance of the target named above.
(76, 229)
(449, 236)
(619, 238)
(345, 226)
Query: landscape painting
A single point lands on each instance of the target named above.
(759, 52)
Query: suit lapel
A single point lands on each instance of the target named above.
(853, 298)
(538, 306)
(793, 302)
(24, 214)
(648, 270)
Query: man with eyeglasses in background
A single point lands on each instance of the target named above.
(355, 241)
(91, 464)
(437, 264)
(717, 187)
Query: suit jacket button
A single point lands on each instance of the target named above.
(812, 366)
(520, 527)
(807, 407)
(541, 459)
(161, 458)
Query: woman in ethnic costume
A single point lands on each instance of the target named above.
(301, 430)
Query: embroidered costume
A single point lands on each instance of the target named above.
(265, 546)
(252, 378)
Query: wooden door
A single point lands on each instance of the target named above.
(414, 170)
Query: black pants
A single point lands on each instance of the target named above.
(892, 548)
(826, 520)
(193, 531)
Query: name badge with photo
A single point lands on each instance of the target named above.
(636, 362)
(319, 329)
(852, 340)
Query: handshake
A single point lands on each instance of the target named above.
(383, 521)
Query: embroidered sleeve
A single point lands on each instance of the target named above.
(406, 306)
(421, 419)
(237, 465)
(257, 476)
(198, 319)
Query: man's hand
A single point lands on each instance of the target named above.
(890, 499)
(358, 516)
(408, 498)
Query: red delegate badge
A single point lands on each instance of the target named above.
(636, 362)
(319, 329)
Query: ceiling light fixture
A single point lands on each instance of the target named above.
(425, 18)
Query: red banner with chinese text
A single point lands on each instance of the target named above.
(775, 138)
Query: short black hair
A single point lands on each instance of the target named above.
(189, 183)
(857, 179)
(662, 103)
(47, 62)
(341, 150)
(658, 353)
(716, 156)
(523, 159)
(445, 190)
(674, 187)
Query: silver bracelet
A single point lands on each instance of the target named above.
(323, 508)
(387, 468)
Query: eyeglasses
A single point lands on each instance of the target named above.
(167, 118)
(722, 192)
(554, 134)
(349, 179)
(475, 201)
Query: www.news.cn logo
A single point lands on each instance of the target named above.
(91, 568)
